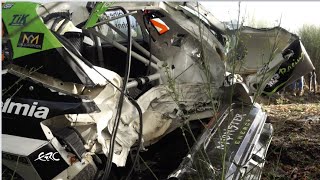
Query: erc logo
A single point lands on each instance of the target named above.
(50, 156)
(31, 40)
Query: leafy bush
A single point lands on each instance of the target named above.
(310, 37)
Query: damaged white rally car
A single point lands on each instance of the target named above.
(141, 90)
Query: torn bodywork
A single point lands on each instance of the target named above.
(126, 89)
(269, 59)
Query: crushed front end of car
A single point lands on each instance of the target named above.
(233, 148)
(124, 90)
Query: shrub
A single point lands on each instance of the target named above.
(310, 37)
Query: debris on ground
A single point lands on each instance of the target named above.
(295, 147)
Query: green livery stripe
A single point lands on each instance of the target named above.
(275, 89)
(27, 32)
(98, 10)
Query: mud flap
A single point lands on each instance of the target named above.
(233, 146)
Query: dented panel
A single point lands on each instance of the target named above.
(69, 97)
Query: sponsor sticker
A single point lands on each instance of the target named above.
(19, 20)
(31, 40)
(40, 112)
(274, 80)
(235, 131)
(50, 156)
(160, 26)
(7, 6)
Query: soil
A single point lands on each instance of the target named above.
(294, 152)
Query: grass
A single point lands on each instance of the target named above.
(233, 60)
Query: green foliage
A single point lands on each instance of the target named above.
(310, 37)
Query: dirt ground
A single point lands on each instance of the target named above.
(294, 152)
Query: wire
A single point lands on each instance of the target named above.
(120, 103)
(140, 135)
(97, 43)
(65, 15)
(116, 124)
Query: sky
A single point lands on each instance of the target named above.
(293, 14)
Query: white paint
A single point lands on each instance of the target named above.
(20, 145)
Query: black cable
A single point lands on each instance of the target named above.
(147, 26)
(64, 15)
(97, 42)
(140, 121)
(55, 23)
(120, 103)
(140, 135)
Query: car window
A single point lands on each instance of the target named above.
(122, 25)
